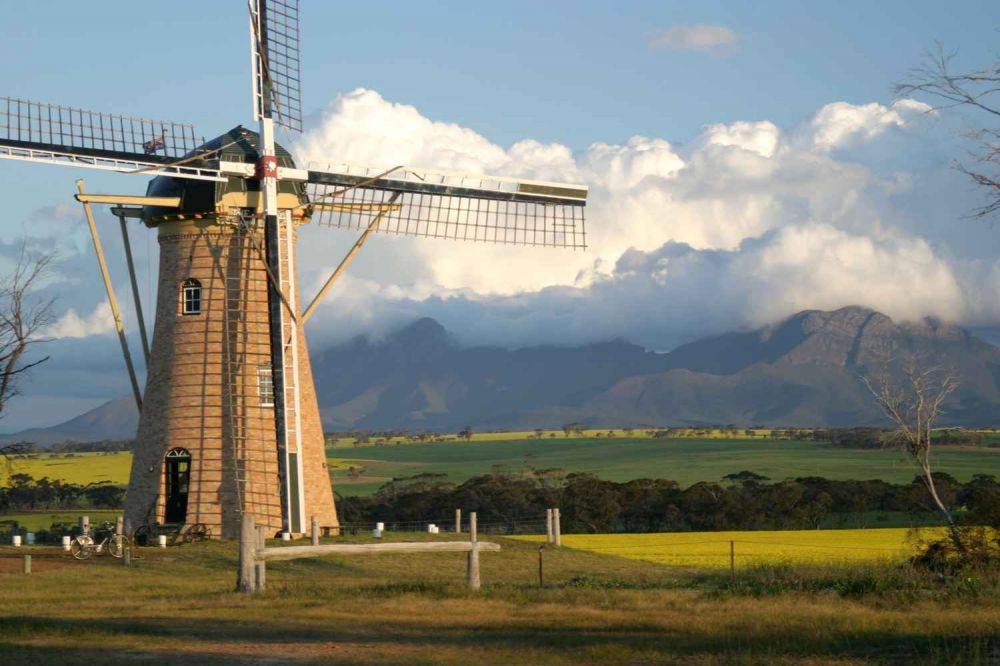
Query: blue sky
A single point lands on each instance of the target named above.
(584, 75)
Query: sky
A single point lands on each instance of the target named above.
(745, 161)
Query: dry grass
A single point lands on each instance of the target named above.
(176, 606)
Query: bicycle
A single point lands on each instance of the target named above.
(84, 546)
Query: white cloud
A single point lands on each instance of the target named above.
(746, 224)
(700, 37)
(840, 123)
(72, 325)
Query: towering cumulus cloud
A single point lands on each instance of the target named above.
(747, 224)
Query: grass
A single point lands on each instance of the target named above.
(35, 521)
(175, 606)
(684, 460)
(711, 550)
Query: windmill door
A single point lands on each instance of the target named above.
(178, 474)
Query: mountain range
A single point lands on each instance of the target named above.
(804, 371)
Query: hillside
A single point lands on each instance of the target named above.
(803, 371)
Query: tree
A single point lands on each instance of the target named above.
(22, 320)
(947, 89)
(912, 398)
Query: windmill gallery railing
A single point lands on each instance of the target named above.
(254, 553)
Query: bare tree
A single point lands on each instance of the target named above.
(946, 89)
(912, 398)
(22, 320)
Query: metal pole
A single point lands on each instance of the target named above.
(548, 526)
(112, 301)
(557, 527)
(260, 568)
(372, 226)
(541, 578)
(135, 287)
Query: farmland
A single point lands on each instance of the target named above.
(711, 550)
(685, 460)
(593, 608)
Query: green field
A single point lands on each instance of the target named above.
(78, 468)
(176, 606)
(684, 460)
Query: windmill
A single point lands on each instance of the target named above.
(229, 421)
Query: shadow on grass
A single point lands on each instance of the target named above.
(625, 639)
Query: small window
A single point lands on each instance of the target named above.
(265, 385)
(191, 297)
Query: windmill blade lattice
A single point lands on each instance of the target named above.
(37, 124)
(63, 135)
(276, 63)
(416, 202)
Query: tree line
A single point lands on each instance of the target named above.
(26, 493)
(588, 504)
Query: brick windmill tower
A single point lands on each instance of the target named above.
(229, 421)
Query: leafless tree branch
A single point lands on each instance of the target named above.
(947, 89)
(912, 396)
(22, 320)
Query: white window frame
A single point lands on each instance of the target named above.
(191, 286)
(265, 377)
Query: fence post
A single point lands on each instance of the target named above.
(732, 562)
(458, 521)
(84, 524)
(472, 568)
(245, 581)
(119, 525)
(27, 564)
(260, 568)
(315, 531)
(548, 526)
(557, 527)
(127, 553)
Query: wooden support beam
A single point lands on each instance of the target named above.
(295, 552)
(372, 226)
(127, 200)
(112, 301)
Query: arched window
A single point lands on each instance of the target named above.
(191, 297)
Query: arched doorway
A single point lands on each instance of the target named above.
(177, 468)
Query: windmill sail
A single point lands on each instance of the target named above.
(274, 50)
(52, 134)
(419, 202)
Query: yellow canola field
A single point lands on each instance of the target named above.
(711, 550)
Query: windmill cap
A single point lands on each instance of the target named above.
(201, 197)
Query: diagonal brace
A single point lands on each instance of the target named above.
(373, 226)
(112, 301)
